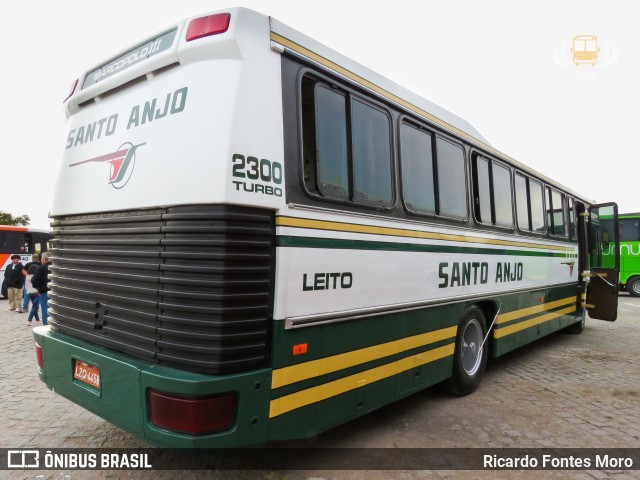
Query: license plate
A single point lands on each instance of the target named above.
(86, 373)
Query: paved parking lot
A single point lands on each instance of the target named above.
(562, 391)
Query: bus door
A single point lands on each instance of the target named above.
(604, 261)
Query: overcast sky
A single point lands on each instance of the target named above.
(504, 66)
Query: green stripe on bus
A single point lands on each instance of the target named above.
(345, 244)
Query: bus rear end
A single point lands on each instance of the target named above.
(161, 280)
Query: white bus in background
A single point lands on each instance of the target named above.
(257, 238)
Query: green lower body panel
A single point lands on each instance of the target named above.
(362, 399)
(322, 375)
(355, 367)
(527, 317)
(125, 382)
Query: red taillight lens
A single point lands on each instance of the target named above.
(192, 415)
(39, 356)
(206, 26)
(72, 90)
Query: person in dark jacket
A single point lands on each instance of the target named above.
(35, 260)
(15, 281)
(40, 281)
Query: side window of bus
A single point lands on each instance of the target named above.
(452, 184)
(572, 219)
(629, 229)
(27, 244)
(556, 213)
(529, 204)
(371, 149)
(427, 163)
(331, 138)
(492, 193)
(536, 203)
(416, 154)
(346, 146)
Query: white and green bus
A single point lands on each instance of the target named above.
(256, 238)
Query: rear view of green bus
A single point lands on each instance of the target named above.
(630, 253)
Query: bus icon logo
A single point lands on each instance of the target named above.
(23, 459)
(122, 162)
(585, 49)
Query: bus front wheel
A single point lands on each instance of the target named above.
(471, 352)
(633, 287)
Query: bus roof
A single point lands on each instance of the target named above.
(300, 44)
(284, 38)
(17, 228)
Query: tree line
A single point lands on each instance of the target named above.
(8, 219)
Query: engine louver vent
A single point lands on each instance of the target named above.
(188, 287)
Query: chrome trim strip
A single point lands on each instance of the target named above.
(359, 313)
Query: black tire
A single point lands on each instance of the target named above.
(469, 361)
(633, 287)
(575, 328)
(5, 291)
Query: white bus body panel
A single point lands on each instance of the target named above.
(221, 99)
(391, 277)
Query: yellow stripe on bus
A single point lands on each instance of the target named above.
(315, 368)
(283, 221)
(502, 332)
(525, 312)
(322, 392)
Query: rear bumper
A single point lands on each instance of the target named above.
(125, 381)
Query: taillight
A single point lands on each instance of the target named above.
(72, 90)
(39, 356)
(206, 26)
(192, 415)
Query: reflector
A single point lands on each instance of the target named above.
(192, 415)
(206, 26)
(39, 356)
(71, 90)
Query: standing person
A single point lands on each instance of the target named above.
(35, 260)
(40, 281)
(15, 281)
(32, 294)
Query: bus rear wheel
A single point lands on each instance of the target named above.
(470, 357)
(633, 287)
